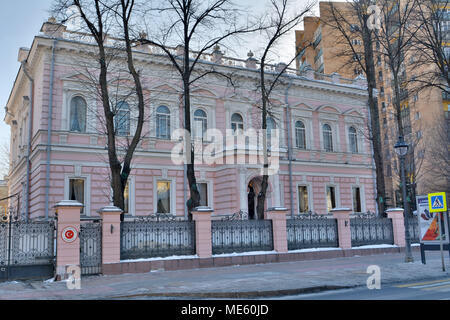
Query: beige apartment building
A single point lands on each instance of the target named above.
(422, 113)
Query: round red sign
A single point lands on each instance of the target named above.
(69, 234)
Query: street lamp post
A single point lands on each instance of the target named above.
(401, 148)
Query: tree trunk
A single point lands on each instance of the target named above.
(194, 199)
(262, 194)
(374, 119)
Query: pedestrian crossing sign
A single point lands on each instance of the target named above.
(437, 202)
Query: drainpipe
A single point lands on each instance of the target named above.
(30, 129)
(288, 117)
(49, 132)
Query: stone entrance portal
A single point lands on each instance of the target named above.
(253, 189)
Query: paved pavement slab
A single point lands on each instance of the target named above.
(248, 281)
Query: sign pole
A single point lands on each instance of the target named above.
(440, 241)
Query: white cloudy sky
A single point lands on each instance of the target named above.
(21, 20)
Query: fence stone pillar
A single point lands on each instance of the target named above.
(342, 215)
(203, 238)
(398, 225)
(68, 236)
(110, 234)
(278, 217)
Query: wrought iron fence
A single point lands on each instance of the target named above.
(236, 235)
(414, 231)
(148, 238)
(91, 248)
(27, 249)
(367, 229)
(311, 231)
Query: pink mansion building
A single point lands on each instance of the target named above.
(325, 159)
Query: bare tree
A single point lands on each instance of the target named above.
(280, 21)
(438, 157)
(184, 31)
(5, 160)
(430, 45)
(352, 22)
(100, 17)
(395, 41)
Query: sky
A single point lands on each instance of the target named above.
(20, 21)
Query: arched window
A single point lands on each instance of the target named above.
(271, 125)
(237, 123)
(353, 139)
(78, 108)
(327, 138)
(122, 119)
(300, 135)
(200, 124)
(163, 122)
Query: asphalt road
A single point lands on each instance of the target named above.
(424, 290)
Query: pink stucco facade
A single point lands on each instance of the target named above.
(83, 156)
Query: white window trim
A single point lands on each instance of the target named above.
(210, 120)
(87, 190)
(229, 122)
(361, 194)
(336, 194)
(359, 139)
(131, 196)
(209, 186)
(91, 120)
(240, 108)
(174, 118)
(308, 133)
(278, 117)
(335, 135)
(310, 196)
(173, 194)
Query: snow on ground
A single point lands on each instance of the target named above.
(376, 246)
(161, 258)
(253, 253)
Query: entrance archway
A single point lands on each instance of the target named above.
(253, 189)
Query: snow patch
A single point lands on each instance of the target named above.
(376, 246)
(161, 258)
(314, 250)
(249, 253)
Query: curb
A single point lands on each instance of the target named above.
(238, 295)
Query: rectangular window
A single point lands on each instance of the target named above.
(203, 190)
(76, 191)
(331, 198)
(163, 196)
(356, 191)
(303, 203)
(126, 198)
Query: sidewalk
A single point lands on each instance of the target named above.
(248, 281)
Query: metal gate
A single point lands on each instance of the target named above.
(27, 250)
(91, 248)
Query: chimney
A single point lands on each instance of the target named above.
(53, 29)
(217, 55)
(250, 63)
